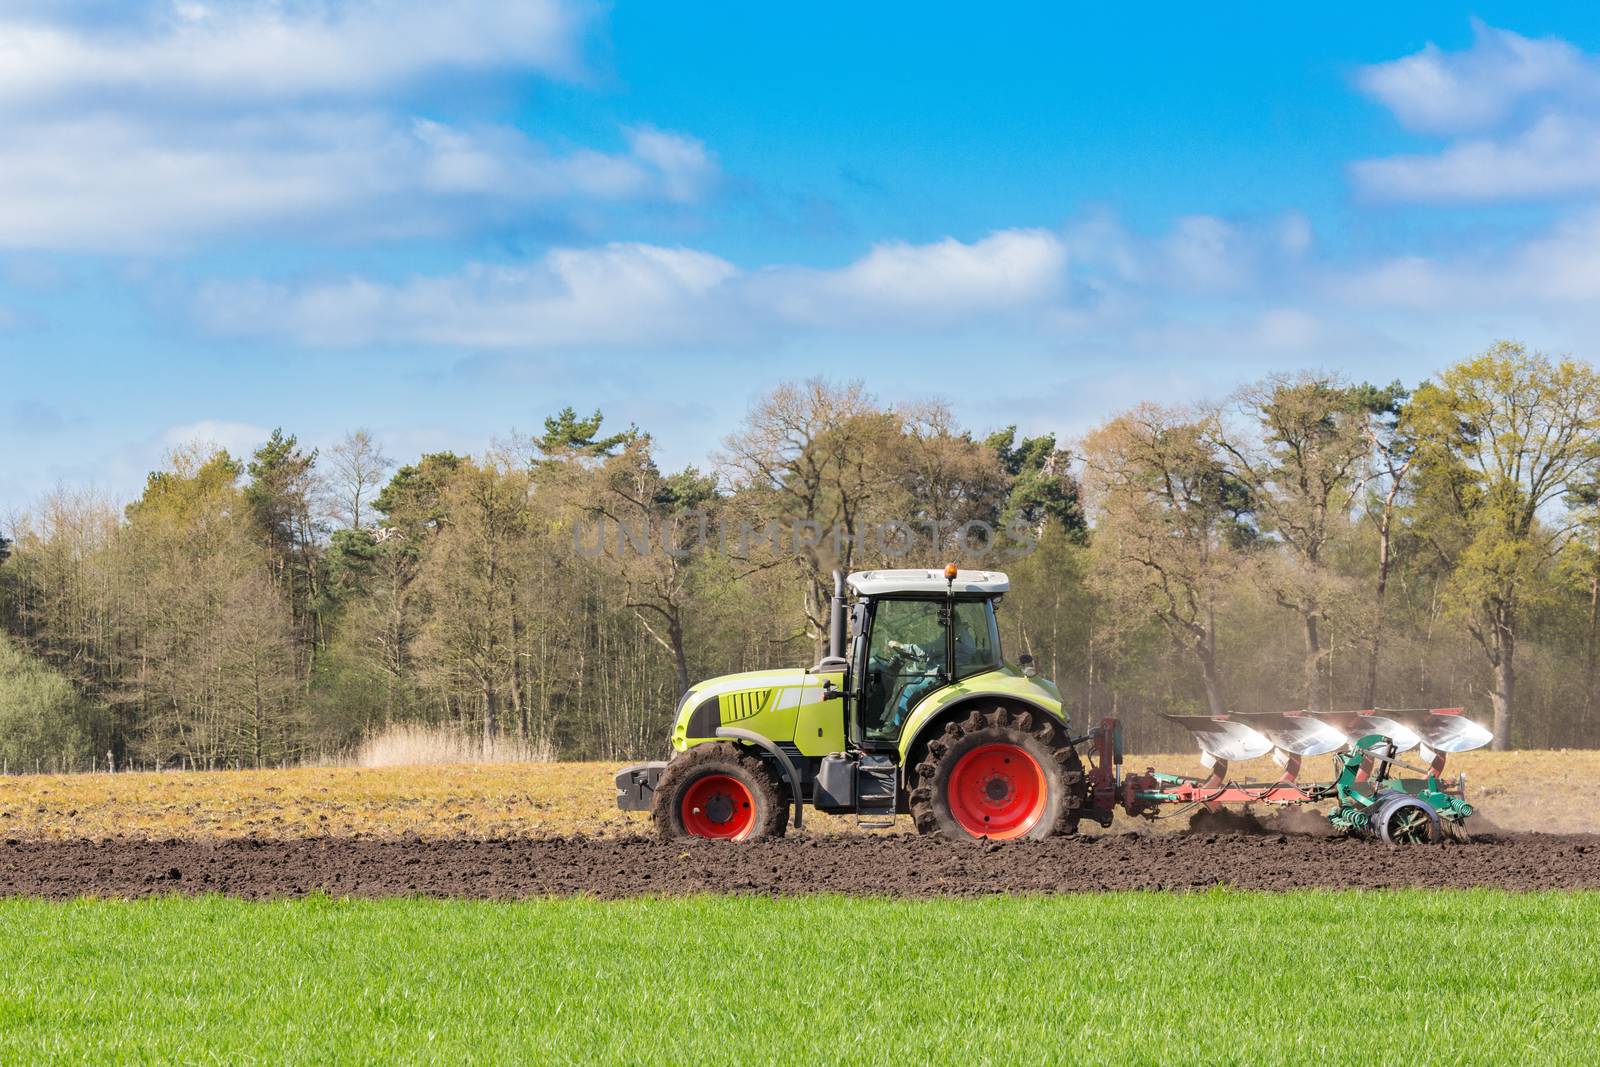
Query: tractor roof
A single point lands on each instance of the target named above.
(971, 583)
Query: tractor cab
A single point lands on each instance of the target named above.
(916, 631)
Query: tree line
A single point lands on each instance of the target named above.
(1306, 542)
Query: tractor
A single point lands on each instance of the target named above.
(917, 713)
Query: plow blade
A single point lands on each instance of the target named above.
(1224, 739)
(1295, 733)
(1291, 735)
(1447, 730)
(1358, 724)
(1433, 729)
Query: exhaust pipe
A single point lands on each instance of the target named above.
(836, 618)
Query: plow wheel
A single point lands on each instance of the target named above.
(1402, 819)
(717, 791)
(1001, 774)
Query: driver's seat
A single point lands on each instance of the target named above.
(907, 697)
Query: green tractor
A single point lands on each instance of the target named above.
(915, 713)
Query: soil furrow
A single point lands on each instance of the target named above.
(895, 865)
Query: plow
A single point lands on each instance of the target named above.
(912, 710)
(1363, 794)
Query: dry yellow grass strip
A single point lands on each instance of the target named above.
(1549, 791)
(480, 800)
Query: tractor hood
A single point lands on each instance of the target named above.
(772, 703)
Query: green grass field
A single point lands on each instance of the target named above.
(1226, 977)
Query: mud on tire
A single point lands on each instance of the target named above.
(763, 805)
(1039, 736)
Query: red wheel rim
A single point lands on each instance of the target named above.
(718, 805)
(997, 791)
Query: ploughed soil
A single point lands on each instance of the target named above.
(897, 865)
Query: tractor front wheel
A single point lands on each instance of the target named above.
(1000, 774)
(717, 791)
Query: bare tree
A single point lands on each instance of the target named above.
(1394, 453)
(356, 469)
(1303, 461)
(824, 456)
(661, 527)
(470, 573)
(1169, 525)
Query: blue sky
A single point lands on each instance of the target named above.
(442, 222)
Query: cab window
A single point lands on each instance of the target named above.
(977, 641)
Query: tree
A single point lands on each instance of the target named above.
(356, 467)
(469, 571)
(1501, 438)
(947, 480)
(280, 495)
(1042, 485)
(567, 435)
(821, 459)
(1583, 569)
(256, 685)
(674, 515)
(413, 503)
(1303, 461)
(387, 610)
(44, 721)
(216, 645)
(455, 594)
(1393, 453)
(1171, 520)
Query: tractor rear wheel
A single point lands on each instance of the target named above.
(717, 791)
(1000, 773)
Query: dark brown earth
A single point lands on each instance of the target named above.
(899, 865)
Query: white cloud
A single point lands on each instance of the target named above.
(1288, 329)
(616, 295)
(1433, 91)
(1558, 155)
(651, 296)
(196, 121)
(685, 168)
(1520, 113)
(1237, 333)
(1200, 255)
(1558, 268)
(108, 182)
(942, 280)
(1205, 253)
(266, 49)
(636, 294)
(1295, 235)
